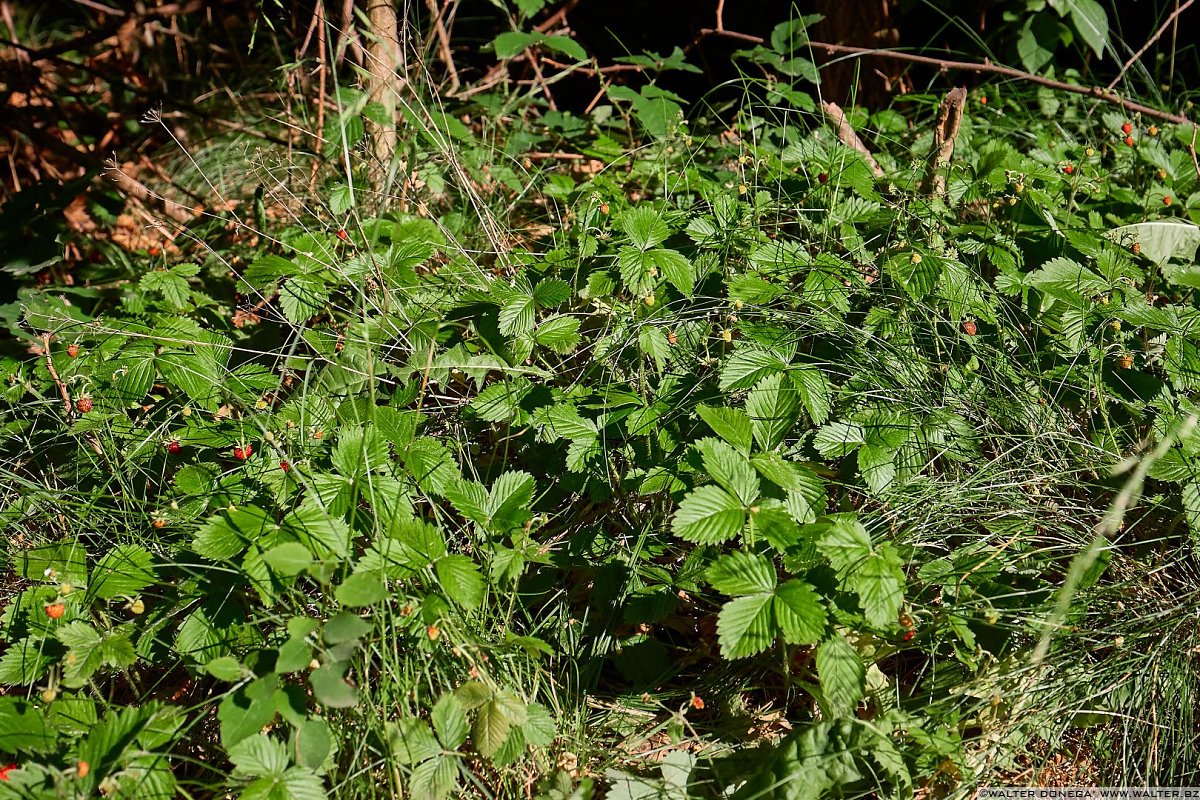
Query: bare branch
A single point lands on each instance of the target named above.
(1157, 35)
(984, 68)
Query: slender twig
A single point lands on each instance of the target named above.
(557, 17)
(62, 387)
(443, 39)
(594, 71)
(1157, 34)
(116, 12)
(349, 33)
(1192, 150)
(985, 68)
(541, 79)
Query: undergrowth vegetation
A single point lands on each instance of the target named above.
(648, 452)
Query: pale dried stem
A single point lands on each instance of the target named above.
(945, 133)
(847, 136)
(139, 191)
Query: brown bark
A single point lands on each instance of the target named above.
(868, 81)
(383, 81)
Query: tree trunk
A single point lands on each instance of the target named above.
(383, 64)
(859, 81)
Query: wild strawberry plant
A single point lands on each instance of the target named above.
(720, 428)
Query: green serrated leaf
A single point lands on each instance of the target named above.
(773, 409)
(730, 469)
(843, 678)
(742, 573)
(461, 580)
(799, 612)
(746, 626)
(708, 515)
(450, 721)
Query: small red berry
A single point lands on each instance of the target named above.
(243, 452)
(341, 234)
(1129, 141)
(5, 770)
(968, 327)
(84, 404)
(173, 447)
(55, 610)
(823, 178)
(285, 466)
(983, 100)
(697, 702)
(154, 251)
(1068, 169)
(907, 636)
(72, 350)
(1127, 128)
(1167, 200)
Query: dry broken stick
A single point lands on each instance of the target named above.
(949, 119)
(139, 191)
(847, 136)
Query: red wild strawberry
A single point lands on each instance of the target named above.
(285, 466)
(5, 770)
(1167, 200)
(154, 251)
(242, 452)
(823, 178)
(341, 234)
(968, 327)
(1127, 128)
(1129, 141)
(173, 447)
(907, 636)
(72, 350)
(983, 100)
(84, 404)
(55, 610)
(1068, 169)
